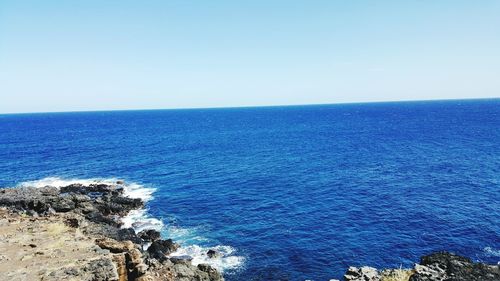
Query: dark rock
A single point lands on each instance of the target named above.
(149, 235)
(73, 188)
(181, 260)
(213, 274)
(443, 258)
(120, 182)
(72, 222)
(450, 267)
(213, 254)
(160, 248)
(63, 204)
(101, 187)
(129, 234)
(100, 218)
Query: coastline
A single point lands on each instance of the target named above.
(84, 232)
(100, 231)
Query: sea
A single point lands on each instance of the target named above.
(286, 192)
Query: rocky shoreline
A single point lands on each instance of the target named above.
(76, 232)
(440, 266)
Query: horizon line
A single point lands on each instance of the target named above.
(252, 106)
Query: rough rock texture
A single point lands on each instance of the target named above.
(450, 267)
(73, 233)
(441, 266)
(161, 248)
(364, 273)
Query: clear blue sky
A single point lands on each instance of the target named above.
(96, 55)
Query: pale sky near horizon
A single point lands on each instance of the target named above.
(106, 55)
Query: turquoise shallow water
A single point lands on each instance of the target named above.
(289, 193)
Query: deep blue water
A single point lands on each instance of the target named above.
(301, 192)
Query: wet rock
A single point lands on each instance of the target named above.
(364, 273)
(213, 254)
(129, 234)
(160, 248)
(149, 235)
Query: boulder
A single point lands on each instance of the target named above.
(125, 234)
(149, 235)
(160, 248)
(213, 253)
(181, 260)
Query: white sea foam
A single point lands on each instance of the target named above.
(60, 182)
(140, 220)
(226, 261)
(492, 252)
(137, 219)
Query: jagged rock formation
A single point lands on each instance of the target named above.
(441, 266)
(73, 233)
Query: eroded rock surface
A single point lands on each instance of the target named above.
(441, 266)
(74, 233)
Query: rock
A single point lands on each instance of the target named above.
(443, 258)
(100, 218)
(428, 273)
(32, 213)
(149, 235)
(160, 248)
(95, 210)
(213, 254)
(72, 188)
(114, 246)
(364, 273)
(121, 266)
(63, 204)
(120, 182)
(72, 222)
(447, 266)
(102, 270)
(181, 260)
(125, 234)
(213, 274)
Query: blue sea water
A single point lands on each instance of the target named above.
(294, 193)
